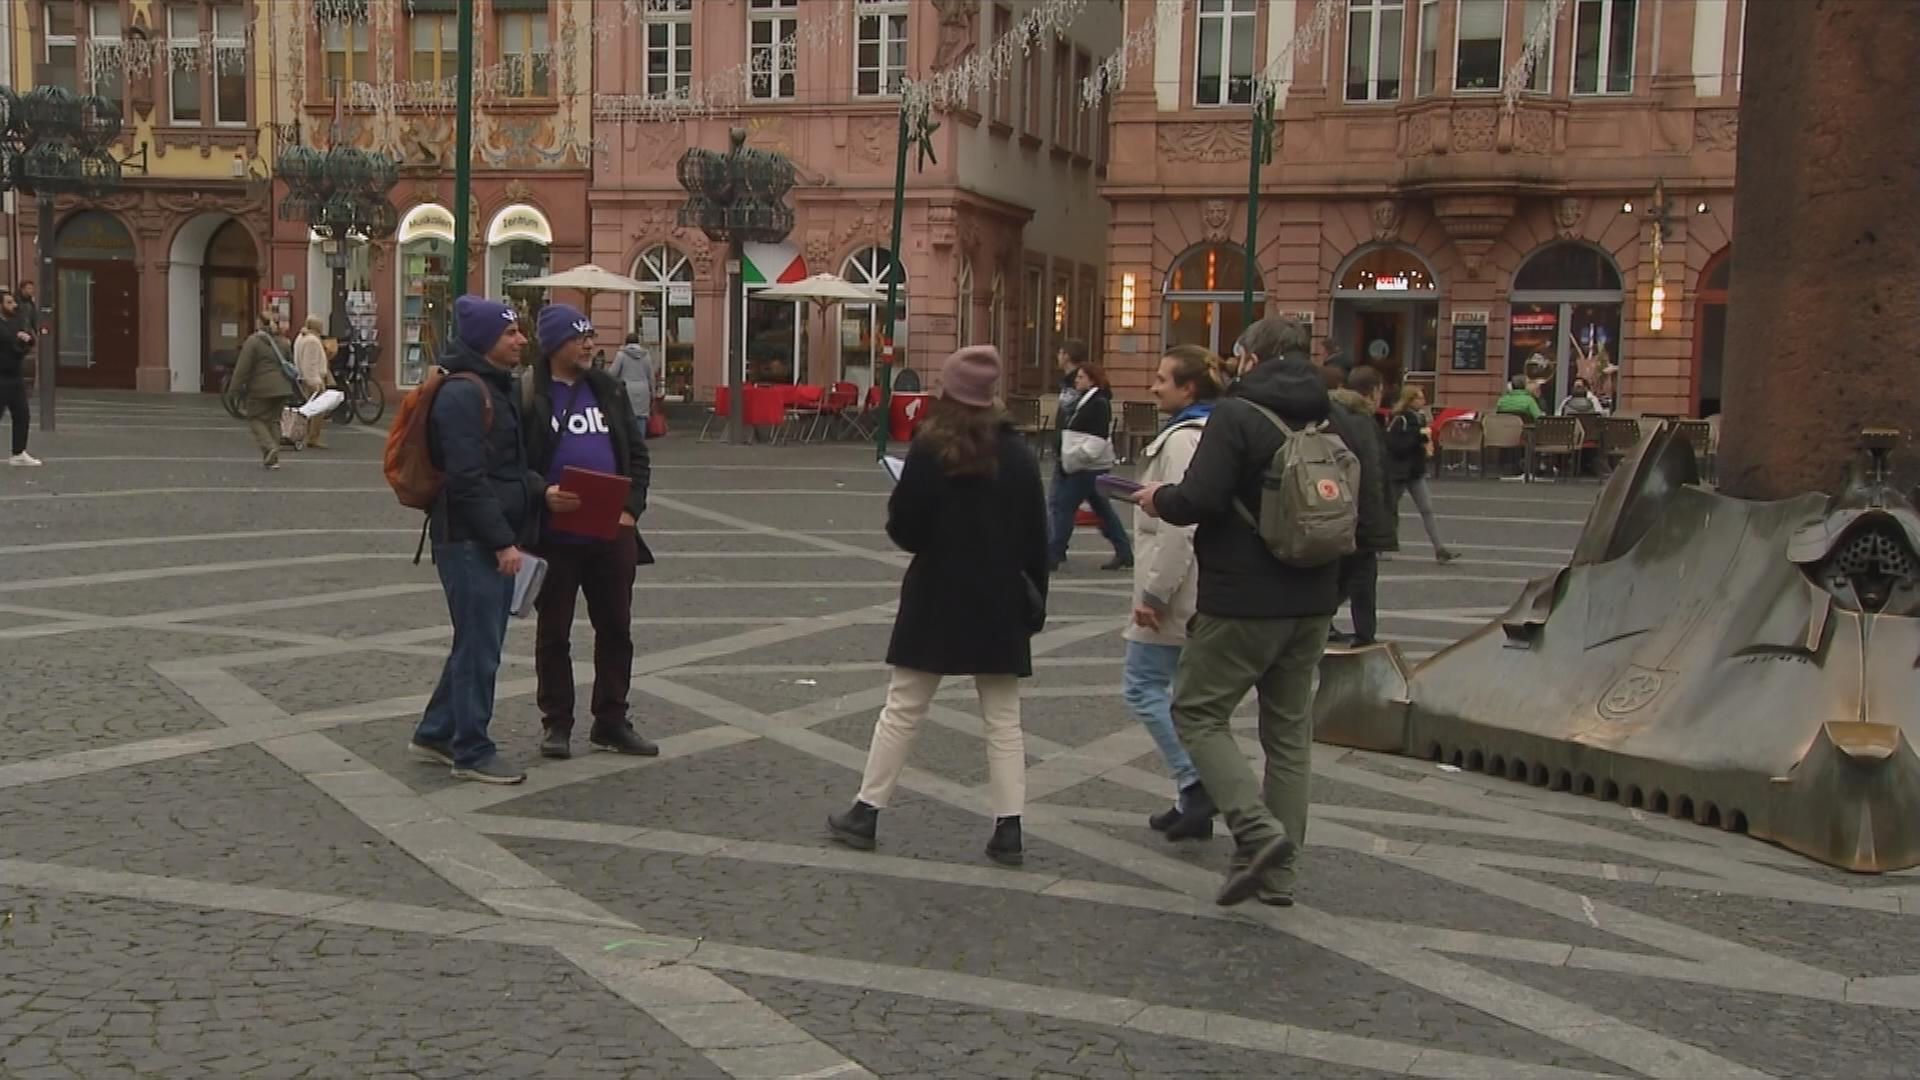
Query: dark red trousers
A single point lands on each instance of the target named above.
(603, 570)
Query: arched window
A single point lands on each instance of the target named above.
(1710, 334)
(863, 326)
(663, 315)
(1387, 270)
(966, 302)
(1386, 312)
(997, 311)
(1564, 322)
(1203, 303)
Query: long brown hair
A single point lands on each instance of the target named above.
(964, 438)
(1197, 366)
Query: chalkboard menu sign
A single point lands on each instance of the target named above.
(1469, 341)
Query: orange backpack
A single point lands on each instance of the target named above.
(415, 480)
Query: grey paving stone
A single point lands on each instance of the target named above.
(235, 816)
(85, 691)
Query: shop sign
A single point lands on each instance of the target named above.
(1470, 340)
(679, 295)
(1391, 283)
(1535, 320)
(427, 221)
(520, 223)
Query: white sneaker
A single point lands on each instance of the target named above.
(23, 458)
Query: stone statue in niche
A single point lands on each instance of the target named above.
(1568, 212)
(1215, 214)
(1386, 215)
(958, 36)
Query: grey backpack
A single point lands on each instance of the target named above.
(1309, 496)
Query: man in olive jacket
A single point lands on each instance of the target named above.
(1261, 624)
(260, 380)
(580, 416)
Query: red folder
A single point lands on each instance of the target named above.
(603, 498)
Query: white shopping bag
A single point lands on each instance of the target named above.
(323, 402)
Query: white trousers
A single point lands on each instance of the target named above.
(909, 696)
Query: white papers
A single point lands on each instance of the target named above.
(894, 466)
(323, 402)
(526, 585)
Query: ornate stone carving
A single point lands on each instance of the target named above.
(1533, 132)
(700, 250)
(1419, 136)
(818, 250)
(1716, 129)
(969, 235)
(871, 138)
(1215, 214)
(958, 36)
(941, 228)
(1568, 212)
(1474, 223)
(1386, 220)
(1473, 130)
(770, 133)
(661, 148)
(425, 191)
(1209, 144)
(517, 191)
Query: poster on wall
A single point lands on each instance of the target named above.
(277, 303)
(1533, 338)
(1469, 341)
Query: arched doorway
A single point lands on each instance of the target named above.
(663, 315)
(1710, 333)
(1565, 311)
(96, 302)
(863, 326)
(230, 283)
(1203, 298)
(1386, 312)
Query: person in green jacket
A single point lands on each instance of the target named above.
(260, 380)
(1519, 401)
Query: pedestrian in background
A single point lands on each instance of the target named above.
(262, 383)
(1086, 453)
(635, 369)
(1359, 399)
(16, 352)
(1409, 446)
(1166, 583)
(487, 508)
(578, 415)
(970, 510)
(1068, 359)
(30, 308)
(310, 360)
(1261, 623)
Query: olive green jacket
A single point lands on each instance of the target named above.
(258, 373)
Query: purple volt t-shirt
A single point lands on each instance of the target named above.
(582, 439)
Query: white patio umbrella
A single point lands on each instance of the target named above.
(585, 279)
(825, 290)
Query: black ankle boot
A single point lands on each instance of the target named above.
(1159, 822)
(1005, 847)
(1196, 815)
(856, 827)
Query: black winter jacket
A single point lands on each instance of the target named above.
(963, 607)
(629, 438)
(1376, 531)
(491, 496)
(1239, 578)
(13, 351)
(1092, 414)
(1406, 447)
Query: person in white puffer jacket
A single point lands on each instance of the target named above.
(1166, 581)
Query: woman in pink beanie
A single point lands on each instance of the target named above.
(970, 509)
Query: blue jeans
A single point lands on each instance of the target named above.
(1069, 491)
(1147, 687)
(478, 598)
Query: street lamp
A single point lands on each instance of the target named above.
(1660, 212)
(737, 198)
(341, 195)
(54, 143)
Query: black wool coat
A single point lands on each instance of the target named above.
(963, 607)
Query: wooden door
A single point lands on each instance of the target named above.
(229, 301)
(100, 300)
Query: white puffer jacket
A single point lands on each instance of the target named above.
(1164, 573)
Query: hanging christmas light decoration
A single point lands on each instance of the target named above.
(954, 87)
(1533, 47)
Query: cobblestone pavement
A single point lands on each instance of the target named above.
(216, 860)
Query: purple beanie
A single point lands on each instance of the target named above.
(478, 322)
(559, 324)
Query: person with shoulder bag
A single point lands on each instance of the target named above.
(1409, 447)
(310, 360)
(1086, 452)
(969, 508)
(1166, 584)
(263, 378)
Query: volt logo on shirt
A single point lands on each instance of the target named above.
(588, 421)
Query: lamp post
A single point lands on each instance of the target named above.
(1660, 212)
(917, 126)
(1259, 152)
(341, 195)
(736, 198)
(55, 143)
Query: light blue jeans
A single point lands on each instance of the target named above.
(1147, 687)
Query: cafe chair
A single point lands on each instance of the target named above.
(1139, 423)
(1502, 432)
(1552, 438)
(1464, 437)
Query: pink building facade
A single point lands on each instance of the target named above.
(1413, 217)
(1004, 233)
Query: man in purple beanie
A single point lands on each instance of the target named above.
(578, 415)
(487, 509)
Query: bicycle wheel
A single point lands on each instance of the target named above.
(343, 412)
(372, 403)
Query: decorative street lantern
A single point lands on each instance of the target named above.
(54, 143)
(737, 198)
(342, 195)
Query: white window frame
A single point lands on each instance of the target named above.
(1604, 56)
(1375, 9)
(446, 67)
(781, 20)
(236, 45)
(524, 78)
(1541, 80)
(67, 41)
(1500, 69)
(888, 21)
(675, 17)
(94, 8)
(1226, 13)
(1423, 68)
(176, 46)
(348, 28)
(870, 266)
(1001, 94)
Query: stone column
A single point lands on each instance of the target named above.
(1824, 316)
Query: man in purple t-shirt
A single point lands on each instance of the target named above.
(578, 416)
